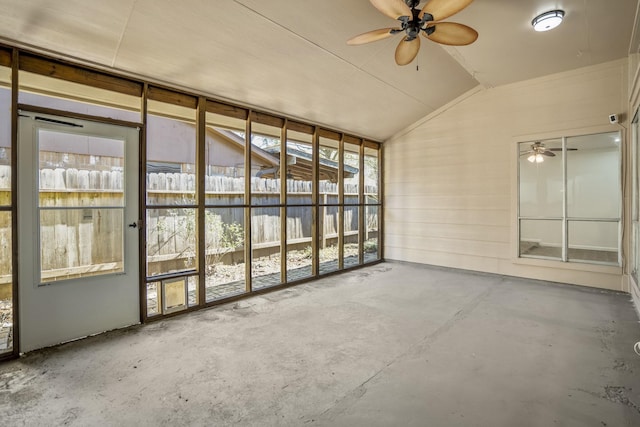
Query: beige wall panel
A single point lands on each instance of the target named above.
(443, 173)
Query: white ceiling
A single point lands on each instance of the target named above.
(291, 57)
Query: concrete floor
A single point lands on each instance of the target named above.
(392, 344)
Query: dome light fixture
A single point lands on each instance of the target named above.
(548, 20)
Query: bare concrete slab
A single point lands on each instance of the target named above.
(392, 344)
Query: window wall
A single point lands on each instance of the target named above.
(239, 201)
(570, 199)
(232, 200)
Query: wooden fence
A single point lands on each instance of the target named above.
(85, 232)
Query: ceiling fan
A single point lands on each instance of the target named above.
(414, 21)
(538, 150)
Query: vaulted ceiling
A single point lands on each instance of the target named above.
(291, 57)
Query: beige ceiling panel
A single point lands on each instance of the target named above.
(509, 50)
(85, 29)
(267, 67)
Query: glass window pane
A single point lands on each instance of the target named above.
(265, 247)
(224, 152)
(351, 174)
(5, 136)
(299, 242)
(328, 244)
(593, 241)
(541, 179)
(80, 170)
(299, 168)
(265, 165)
(328, 152)
(48, 92)
(541, 239)
(6, 284)
(593, 176)
(153, 299)
(80, 242)
(171, 241)
(371, 252)
(171, 154)
(351, 236)
(371, 176)
(224, 259)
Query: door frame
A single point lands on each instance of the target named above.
(136, 168)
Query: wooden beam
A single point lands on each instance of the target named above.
(371, 144)
(171, 97)
(5, 57)
(267, 119)
(300, 127)
(325, 133)
(352, 140)
(76, 74)
(227, 110)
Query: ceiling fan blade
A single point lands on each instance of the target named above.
(560, 149)
(392, 8)
(407, 51)
(371, 36)
(549, 153)
(442, 9)
(452, 34)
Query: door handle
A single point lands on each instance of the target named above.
(135, 224)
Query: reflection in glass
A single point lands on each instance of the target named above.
(224, 256)
(80, 242)
(541, 238)
(171, 154)
(171, 241)
(593, 241)
(593, 176)
(329, 225)
(299, 242)
(153, 298)
(541, 183)
(5, 142)
(370, 247)
(265, 247)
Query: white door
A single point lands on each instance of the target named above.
(77, 228)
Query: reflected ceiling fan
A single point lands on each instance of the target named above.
(538, 150)
(414, 22)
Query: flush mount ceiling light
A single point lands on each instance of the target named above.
(548, 20)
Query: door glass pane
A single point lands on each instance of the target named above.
(299, 242)
(541, 239)
(171, 154)
(371, 252)
(265, 165)
(224, 153)
(299, 168)
(6, 284)
(371, 176)
(171, 241)
(351, 237)
(80, 242)
(593, 241)
(224, 259)
(541, 179)
(593, 176)
(80, 170)
(351, 173)
(265, 247)
(81, 202)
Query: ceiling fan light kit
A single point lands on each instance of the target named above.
(414, 22)
(548, 20)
